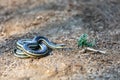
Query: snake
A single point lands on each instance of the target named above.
(38, 46)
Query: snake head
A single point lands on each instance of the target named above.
(61, 45)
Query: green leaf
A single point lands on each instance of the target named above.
(82, 41)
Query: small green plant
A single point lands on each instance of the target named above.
(83, 41)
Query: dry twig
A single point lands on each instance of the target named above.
(94, 50)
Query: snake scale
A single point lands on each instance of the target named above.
(36, 47)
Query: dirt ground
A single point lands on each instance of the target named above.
(62, 21)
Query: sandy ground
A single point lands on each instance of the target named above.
(62, 21)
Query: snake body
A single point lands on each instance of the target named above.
(38, 46)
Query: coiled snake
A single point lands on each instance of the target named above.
(38, 46)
